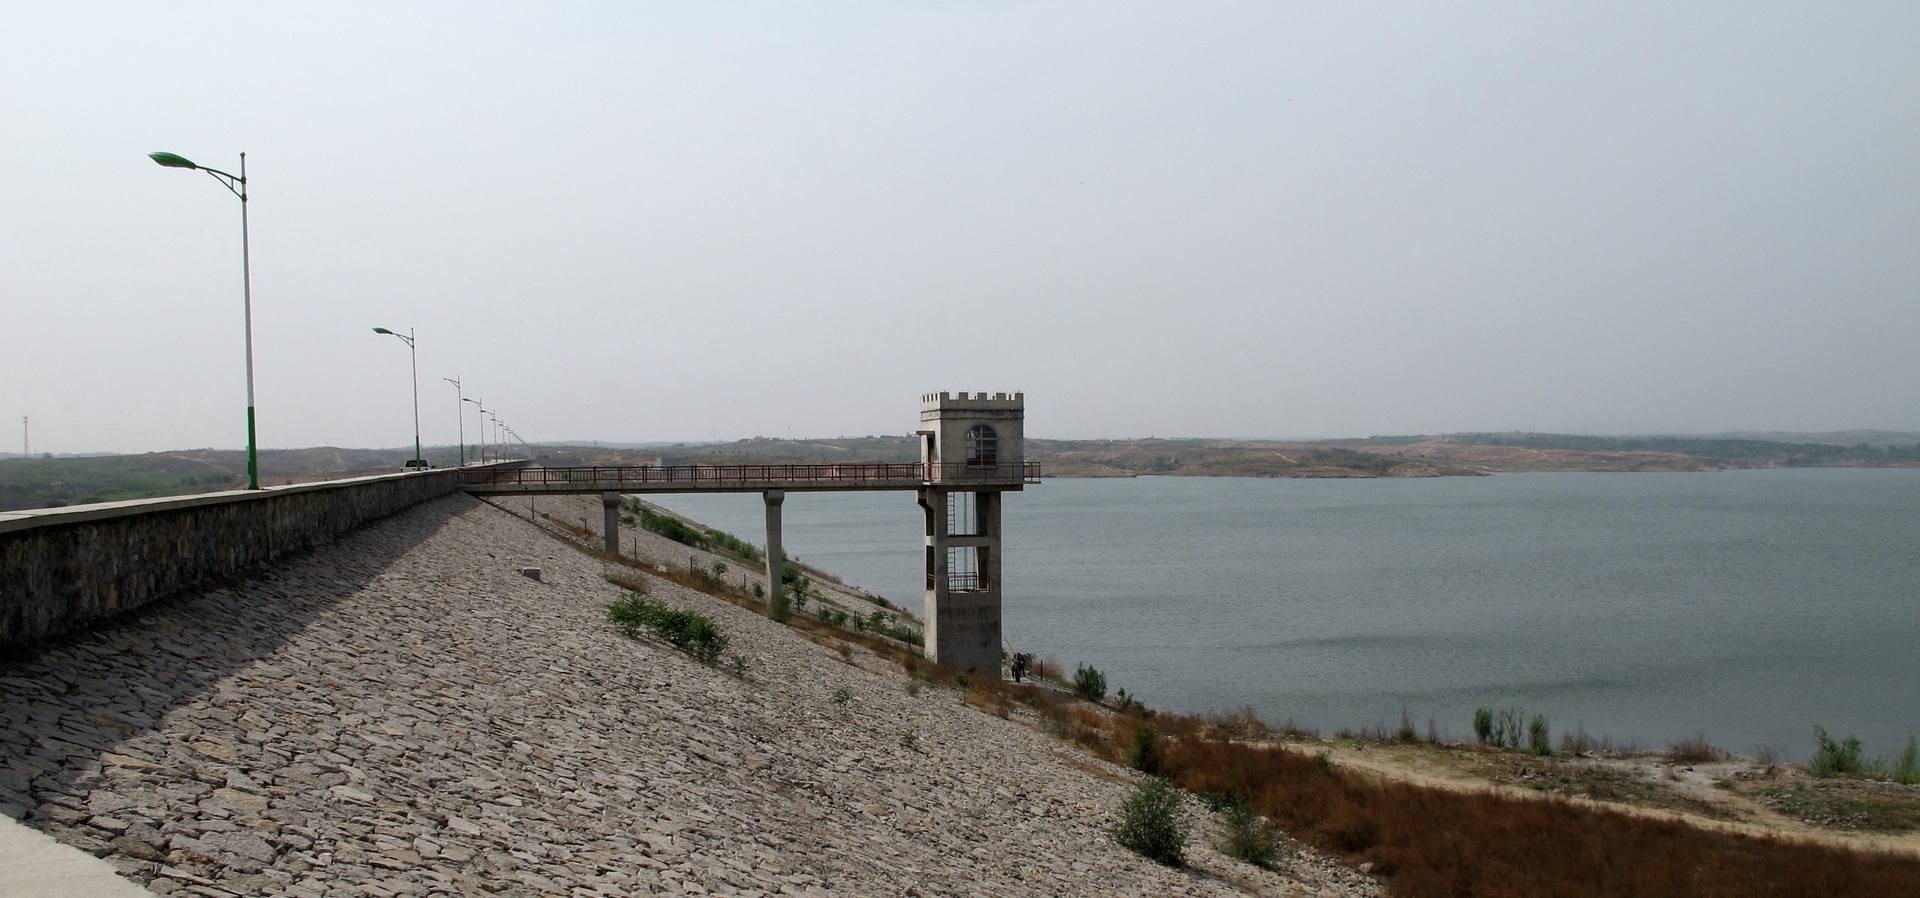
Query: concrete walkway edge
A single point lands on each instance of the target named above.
(33, 865)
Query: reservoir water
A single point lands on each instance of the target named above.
(1746, 605)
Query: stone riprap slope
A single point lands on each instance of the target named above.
(402, 713)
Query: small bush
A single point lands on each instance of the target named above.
(670, 527)
(841, 697)
(1907, 770)
(910, 740)
(1144, 753)
(1834, 759)
(695, 634)
(1090, 683)
(1248, 838)
(1149, 823)
(1406, 732)
(1537, 740)
(727, 542)
(1483, 725)
(1693, 750)
(1506, 727)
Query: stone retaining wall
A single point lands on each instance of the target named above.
(64, 568)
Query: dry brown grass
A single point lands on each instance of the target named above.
(1694, 750)
(1433, 842)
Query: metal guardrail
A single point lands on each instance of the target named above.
(612, 477)
(961, 581)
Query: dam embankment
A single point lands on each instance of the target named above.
(62, 569)
(400, 712)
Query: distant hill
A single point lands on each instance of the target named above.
(1876, 439)
(73, 480)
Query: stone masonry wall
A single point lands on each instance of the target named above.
(62, 569)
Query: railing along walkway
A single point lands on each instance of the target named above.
(749, 478)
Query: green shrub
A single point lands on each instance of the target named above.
(669, 526)
(695, 634)
(1831, 759)
(1483, 725)
(1090, 683)
(1248, 838)
(1149, 823)
(1144, 754)
(727, 542)
(1506, 727)
(1907, 770)
(1537, 740)
(841, 697)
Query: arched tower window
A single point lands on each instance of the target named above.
(983, 445)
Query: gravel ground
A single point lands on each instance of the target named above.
(402, 713)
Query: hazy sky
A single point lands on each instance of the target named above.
(696, 220)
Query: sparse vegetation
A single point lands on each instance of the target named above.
(1247, 836)
(1089, 683)
(695, 634)
(1144, 754)
(1831, 758)
(1906, 771)
(1149, 823)
(1694, 750)
(1538, 741)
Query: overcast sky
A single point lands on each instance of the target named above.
(710, 220)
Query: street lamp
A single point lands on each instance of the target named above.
(481, 404)
(237, 184)
(463, 417)
(414, 354)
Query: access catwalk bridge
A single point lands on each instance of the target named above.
(636, 479)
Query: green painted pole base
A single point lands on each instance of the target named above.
(253, 454)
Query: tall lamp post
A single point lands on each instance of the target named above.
(414, 354)
(481, 405)
(462, 409)
(237, 184)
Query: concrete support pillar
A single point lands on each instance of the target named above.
(933, 503)
(774, 558)
(962, 613)
(611, 503)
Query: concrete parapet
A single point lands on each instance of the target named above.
(64, 568)
(970, 401)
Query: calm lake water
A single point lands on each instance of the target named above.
(1748, 605)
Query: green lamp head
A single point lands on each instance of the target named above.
(382, 330)
(171, 161)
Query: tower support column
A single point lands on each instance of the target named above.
(962, 600)
(610, 520)
(775, 560)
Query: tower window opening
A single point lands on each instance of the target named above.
(983, 445)
(960, 515)
(963, 570)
